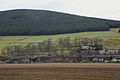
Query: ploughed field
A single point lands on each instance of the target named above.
(60, 71)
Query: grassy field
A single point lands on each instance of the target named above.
(111, 39)
(58, 71)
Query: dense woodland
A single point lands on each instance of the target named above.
(41, 22)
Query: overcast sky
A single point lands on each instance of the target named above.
(94, 8)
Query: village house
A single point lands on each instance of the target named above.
(115, 60)
(109, 51)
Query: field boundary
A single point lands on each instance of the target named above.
(77, 65)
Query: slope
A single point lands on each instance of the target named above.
(42, 22)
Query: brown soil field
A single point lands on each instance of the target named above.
(60, 71)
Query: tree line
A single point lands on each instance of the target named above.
(61, 50)
(61, 46)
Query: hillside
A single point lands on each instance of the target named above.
(111, 39)
(41, 22)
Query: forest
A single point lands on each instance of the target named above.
(43, 22)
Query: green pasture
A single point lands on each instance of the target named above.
(111, 39)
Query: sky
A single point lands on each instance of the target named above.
(109, 9)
